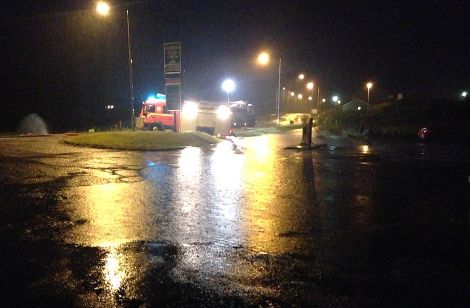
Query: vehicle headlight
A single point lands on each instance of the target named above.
(190, 110)
(223, 112)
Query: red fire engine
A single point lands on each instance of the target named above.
(155, 116)
(214, 118)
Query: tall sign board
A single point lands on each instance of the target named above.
(172, 69)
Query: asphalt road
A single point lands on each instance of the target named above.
(344, 225)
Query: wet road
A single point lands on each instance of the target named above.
(347, 224)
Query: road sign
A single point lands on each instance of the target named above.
(172, 58)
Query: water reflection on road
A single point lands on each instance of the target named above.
(214, 202)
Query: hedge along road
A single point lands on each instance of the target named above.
(347, 225)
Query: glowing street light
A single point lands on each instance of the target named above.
(301, 76)
(228, 86)
(103, 9)
(464, 94)
(263, 59)
(310, 86)
(323, 100)
(369, 86)
(335, 98)
(292, 93)
(299, 96)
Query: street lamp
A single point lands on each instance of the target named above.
(369, 86)
(228, 86)
(103, 9)
(299, 96)
(464, 94)
(263, 59)
(335, 98)
(301, 76)
(310, 86)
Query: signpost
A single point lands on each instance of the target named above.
(172, 69)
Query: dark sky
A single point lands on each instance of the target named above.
(62, 61)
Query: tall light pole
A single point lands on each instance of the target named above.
(103, 9)
(228, 86)
(310, 87)
(369, 86)
(131, 79)
(263, 59)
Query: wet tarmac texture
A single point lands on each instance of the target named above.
(345, 225)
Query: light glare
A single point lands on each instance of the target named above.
(190, 109)
(228, 85)
(102, 8)
(223, 112)
(263, 58)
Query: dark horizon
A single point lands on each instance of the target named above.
(65, 63)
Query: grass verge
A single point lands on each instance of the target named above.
(141, 140)
(258, 131)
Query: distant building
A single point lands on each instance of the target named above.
(355, 104)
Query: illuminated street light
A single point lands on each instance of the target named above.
(464, 94)
(310, 86)
(299, 96)
(339, 102)
(323, 100)
(369, 86)
(102, 8)
(228, 86)
(263, 59)
(301, 76)
(292, 93)
(335, 98)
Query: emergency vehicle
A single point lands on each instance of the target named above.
(243, 114)
(214, 118)
(155, 116)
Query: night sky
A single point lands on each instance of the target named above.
(65, 63)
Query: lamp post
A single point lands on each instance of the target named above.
(310, 87)
(263, 59)
(228, 86)
(103, 9)
(369, 86)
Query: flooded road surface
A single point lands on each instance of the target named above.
(347, 224)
